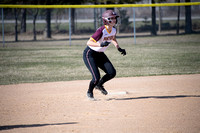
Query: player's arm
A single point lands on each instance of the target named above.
(114, 41)
(93, 43)
(122, 51)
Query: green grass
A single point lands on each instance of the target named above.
(49, 61)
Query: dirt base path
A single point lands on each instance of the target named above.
(155, 104)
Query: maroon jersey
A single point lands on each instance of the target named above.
(101, 35)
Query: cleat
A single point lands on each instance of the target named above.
(102, 89)
(90, 96)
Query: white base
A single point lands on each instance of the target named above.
(118, 93)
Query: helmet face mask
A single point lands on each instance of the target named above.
(110, 20)
(108, 17)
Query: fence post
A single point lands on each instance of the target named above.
(2, 27)
(134, 28)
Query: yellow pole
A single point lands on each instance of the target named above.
(101, 6)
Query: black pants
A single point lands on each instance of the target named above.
(94, 60)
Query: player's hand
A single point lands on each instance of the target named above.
(104, 44)
(122, 51)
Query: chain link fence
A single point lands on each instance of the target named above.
(84, 21)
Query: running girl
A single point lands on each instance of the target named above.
(94, 56)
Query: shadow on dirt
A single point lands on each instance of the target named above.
(156, 97)
(9, 127)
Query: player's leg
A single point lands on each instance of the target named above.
(92, 67)
(110, 71)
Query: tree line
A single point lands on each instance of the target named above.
(34, 13)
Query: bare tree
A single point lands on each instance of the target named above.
(160, 19)
(48, 23)
(16, 12)
(188, 20)
(153, 19)
(59, 13)
(178, 18)
(34, 27)
(23, 20)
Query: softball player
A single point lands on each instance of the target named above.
(94, 56)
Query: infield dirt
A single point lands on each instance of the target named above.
(154, 104)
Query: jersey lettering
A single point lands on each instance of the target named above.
(108, 38)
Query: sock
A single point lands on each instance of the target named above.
(91, 86)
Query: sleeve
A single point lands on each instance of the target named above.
(98, 34)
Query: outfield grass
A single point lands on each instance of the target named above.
(48, 61)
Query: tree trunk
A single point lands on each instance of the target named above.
(57, 18)
(48, 23)
(109, 2)
(188, 20)
(73, 20)
(153, 20)
(34, 28)
(178, 19)
(160, 19)
(23, 21)
(16, 32)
